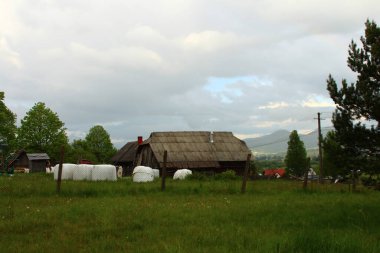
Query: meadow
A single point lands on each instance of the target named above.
(190, 216)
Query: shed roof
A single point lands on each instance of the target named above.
(37, 156)
(127, 153)
(273, 172)
(197, 149)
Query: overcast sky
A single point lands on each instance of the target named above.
(133, 66)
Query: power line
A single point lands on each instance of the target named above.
(284, 140)
(266, 144)
(280, 140)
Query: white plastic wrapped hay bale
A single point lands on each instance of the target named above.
(156, 173)
(83, 172)
(181, 174)
(142, 174)
(103, 172)
(67, 171)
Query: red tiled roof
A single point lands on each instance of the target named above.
(273, 172)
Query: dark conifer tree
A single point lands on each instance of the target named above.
(295, 159)
(357, 114)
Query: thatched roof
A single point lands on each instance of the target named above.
(197, 149)
(126, 154)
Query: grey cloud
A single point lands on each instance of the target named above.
(137, 67)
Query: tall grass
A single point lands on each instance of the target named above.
(190, 216)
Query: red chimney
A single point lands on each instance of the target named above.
(139, 140)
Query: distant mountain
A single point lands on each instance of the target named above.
(277, 142)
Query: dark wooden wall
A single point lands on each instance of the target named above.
(22, 161)
(147, 158)
(127, 167)
(38, 166)
(238, 167)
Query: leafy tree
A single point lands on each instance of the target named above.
(295, 159)
(42, 131)
(334, 159)
(7, 126)
(357, 114)
(99, 143)
(77, 150)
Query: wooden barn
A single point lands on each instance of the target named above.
(35, 162)
(125, 157)
(197, 151)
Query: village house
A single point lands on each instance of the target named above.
(213, 152)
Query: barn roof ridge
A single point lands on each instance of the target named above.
(197, 146)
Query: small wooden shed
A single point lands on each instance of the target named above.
(197, 151)
(35, 162)
(125, 157)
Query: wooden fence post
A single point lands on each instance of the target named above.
(60, 170)
(245, 176)
(353, 176)
(306, 174)
(163, 176)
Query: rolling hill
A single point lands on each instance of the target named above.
(277, 142)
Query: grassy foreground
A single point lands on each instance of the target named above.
(191, 216)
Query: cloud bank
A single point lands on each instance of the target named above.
(250, 67)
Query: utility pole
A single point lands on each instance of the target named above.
(163, 172)
(245, 176)
(320, 149)
(304, 186)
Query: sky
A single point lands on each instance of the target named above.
(135, 66)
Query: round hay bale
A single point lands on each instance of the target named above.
(181, 174)
(120, 172)
(142, 174)
(156, 173)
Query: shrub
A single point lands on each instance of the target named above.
(199, 176)
(227, 175)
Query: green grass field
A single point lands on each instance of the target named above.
(190, 216)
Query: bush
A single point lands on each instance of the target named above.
(369, 181)
(199, 176)
(227, 175)
(202, 176)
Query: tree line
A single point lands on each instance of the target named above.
(355, 143)
(41, 130)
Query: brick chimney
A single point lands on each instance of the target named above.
(139, 140)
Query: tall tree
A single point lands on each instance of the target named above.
(99, 143)
(41, 130)
(357, 115)
(334, 160)
(295, 158)
(7, 127)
